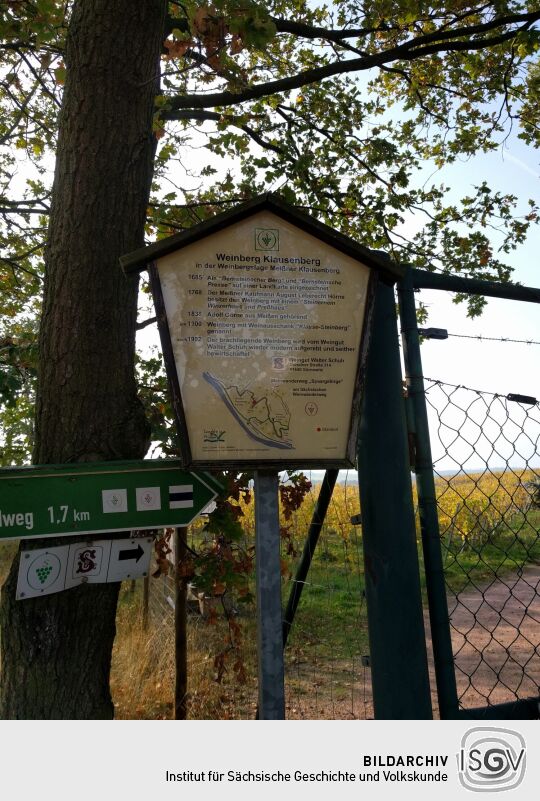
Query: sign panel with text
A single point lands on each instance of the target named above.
(104, 497)
(264, 325)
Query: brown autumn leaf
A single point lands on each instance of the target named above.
(177, 48)
(237, 45)
(186, 566)
(219, 665)
(240, 671)
(284, 569)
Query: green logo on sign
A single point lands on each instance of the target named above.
(43, 573)
(266, 239)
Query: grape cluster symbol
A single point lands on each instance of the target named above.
(266, 239)
(44, 572)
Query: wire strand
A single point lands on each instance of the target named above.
(495, 339)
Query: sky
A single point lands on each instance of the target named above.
(511, 431)
(492, 366)
(513, 172)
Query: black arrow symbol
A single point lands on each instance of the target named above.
(131, 554)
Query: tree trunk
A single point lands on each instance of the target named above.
(57, 649)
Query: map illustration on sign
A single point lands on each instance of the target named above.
(266, 418)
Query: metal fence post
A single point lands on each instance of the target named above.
(269, 614)
(398, 652)
(317, 522)
(427, 505)
(180, 627)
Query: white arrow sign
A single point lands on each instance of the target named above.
(129, 559)
(51, 570)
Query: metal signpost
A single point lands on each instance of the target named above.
(105, 497)
(268, 572)
(264, 315)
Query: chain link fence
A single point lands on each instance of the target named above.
(327, 672)
(326, 659)
(486, 460)
(487, 467)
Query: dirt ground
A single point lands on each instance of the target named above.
(496, 642)
(496, 639)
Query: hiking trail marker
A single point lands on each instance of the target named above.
(104, 497)
(49, 570)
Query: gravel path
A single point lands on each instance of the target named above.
(496, 639)
(496, 643)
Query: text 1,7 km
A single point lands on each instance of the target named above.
(63, 514)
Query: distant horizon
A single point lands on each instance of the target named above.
(317, 476)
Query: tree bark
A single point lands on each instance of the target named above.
(57, 649)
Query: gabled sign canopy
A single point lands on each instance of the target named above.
(263, 315)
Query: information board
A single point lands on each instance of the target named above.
(265, 324)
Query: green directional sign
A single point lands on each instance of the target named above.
(61, 500)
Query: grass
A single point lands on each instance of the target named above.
(503, 553)
(142, 675)
(507, 550)
(329, 635)
(331, 614)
